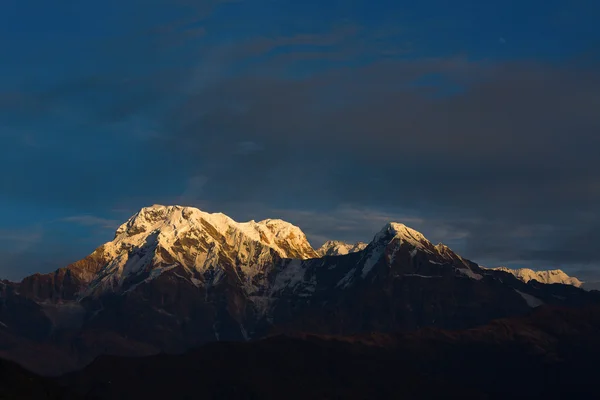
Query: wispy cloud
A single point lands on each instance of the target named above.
(358, 223)
(15, 243)
(194, 189)
(90, 220)
(21, 237)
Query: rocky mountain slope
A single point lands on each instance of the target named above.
(17, 383)
(175, 278)
(547, 277)
(506, 358)
(550, 354)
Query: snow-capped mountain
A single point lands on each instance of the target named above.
(160, 238)
(174, 223)
(175, 277)
(338, 248)
(547, 277)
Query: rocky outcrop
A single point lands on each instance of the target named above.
(66, 283)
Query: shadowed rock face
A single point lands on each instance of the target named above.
(175, 278)
(550, 354)
(18, 383)
(66, 283)
(22, 316)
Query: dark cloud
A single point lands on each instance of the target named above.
(511, 130)
(513, 147)
(498, 158)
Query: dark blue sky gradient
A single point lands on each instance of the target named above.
(474, 122)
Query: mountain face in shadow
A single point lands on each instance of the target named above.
(18, 383)
(550, 354)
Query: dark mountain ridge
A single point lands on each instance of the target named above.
(551, 353)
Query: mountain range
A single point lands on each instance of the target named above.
(175, 278)
(549, 276)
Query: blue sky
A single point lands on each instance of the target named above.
(474, 122)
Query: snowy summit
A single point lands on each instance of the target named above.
(338, 248)
(547, 277)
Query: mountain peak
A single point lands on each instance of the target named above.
(280, 227)
(398, 230)
(160, 237)
(445, 250)
(547, 276)
(339, 248)
(147, 218)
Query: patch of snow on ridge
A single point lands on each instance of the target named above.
(547, 277)
(532, 301)
(347, 279)
(338, 248)
(196, 282)
(374, 257)
(394, 252)
(153, 274)
(292, 274)
(423, 276)
(469, 273)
